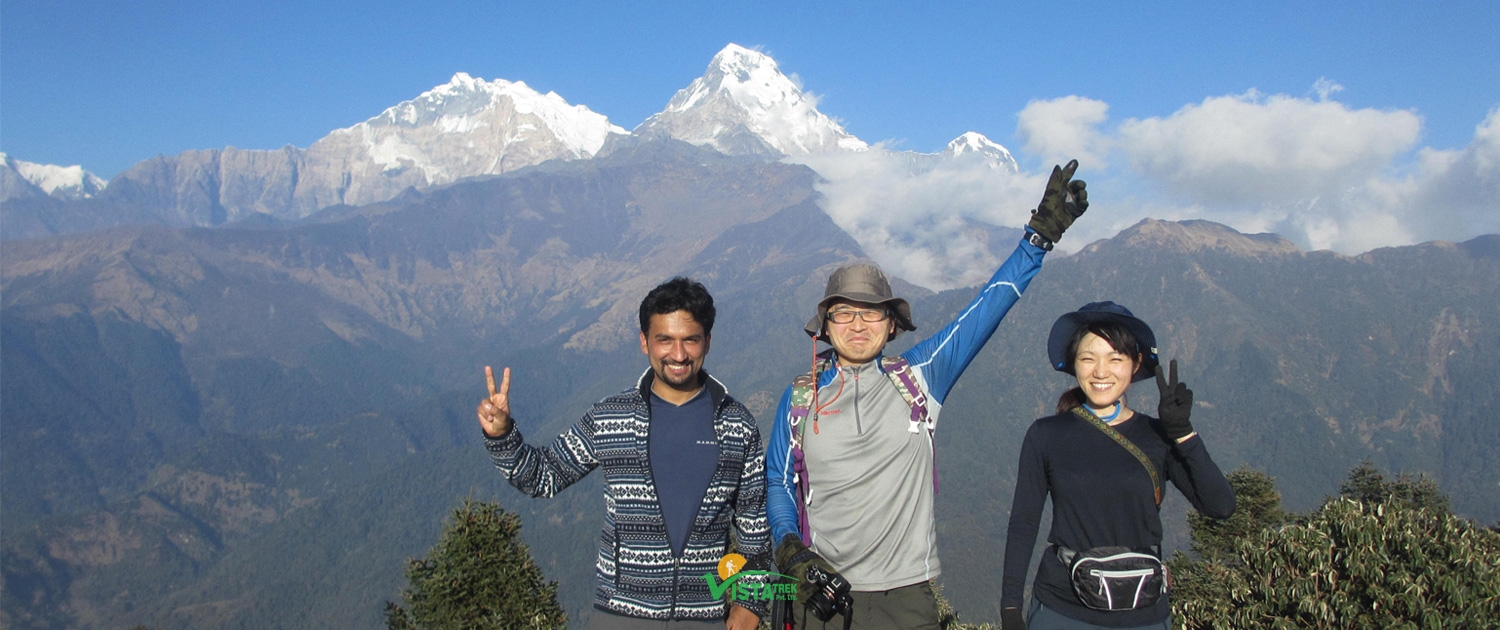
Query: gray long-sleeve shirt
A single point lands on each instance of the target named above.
(871, 512)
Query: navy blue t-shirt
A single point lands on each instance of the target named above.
(684, 453)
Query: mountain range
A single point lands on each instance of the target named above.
(468, 127)
(251, 426)
(251, 422)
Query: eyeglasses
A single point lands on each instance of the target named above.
(847, 316)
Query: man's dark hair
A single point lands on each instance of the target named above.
(679, 294)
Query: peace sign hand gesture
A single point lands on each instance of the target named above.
(1175, 406)
(494, 412)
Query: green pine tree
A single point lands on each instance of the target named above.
(1257, 506)
(1381, 555)
(479, 575)
(1366, 485)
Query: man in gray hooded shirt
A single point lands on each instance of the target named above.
(850, 472)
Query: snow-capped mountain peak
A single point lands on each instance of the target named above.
(752, 77)
(973, 144)
(461, 105)
(462, 128)
(64, 182)
(743, 104)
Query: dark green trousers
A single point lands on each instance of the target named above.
(907, 608)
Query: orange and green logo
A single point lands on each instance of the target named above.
(730, 582)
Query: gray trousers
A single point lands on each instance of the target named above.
(907, 608)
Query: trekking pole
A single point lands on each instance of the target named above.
(781, 615)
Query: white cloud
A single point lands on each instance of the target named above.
(1324, 88)
(1456, 194)
(1315, 171)
(917, 224)
(1310, 169)
(1254, 149)
(1065, 129)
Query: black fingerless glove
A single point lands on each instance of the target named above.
(1062, 202)
(1175, 406)
(793, 558)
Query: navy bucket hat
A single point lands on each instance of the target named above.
(1097, 312)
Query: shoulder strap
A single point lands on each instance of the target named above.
(899, 371)
(1081, 412)
(804, 390)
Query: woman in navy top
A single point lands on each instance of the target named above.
(1103, 494)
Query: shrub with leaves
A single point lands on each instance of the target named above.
(948, 618)
(1396, 559)
(479, 575)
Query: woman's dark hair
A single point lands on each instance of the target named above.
(679, 294)
(1117, 336)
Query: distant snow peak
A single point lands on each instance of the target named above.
(462, 128)
(736, 59)
(466, 104)
(743, 104)
(973, 144)
(965, 152)
(64, 182)
(460, 81)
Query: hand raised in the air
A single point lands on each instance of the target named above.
(494, 411)
(1064, 201)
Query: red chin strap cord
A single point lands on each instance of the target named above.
(816, 409)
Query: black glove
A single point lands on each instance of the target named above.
(793, 558)
(1012, 619)
(1175, 406)
(1063, 202)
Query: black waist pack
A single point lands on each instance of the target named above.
(1115, 578)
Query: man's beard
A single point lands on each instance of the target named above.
(689, 378)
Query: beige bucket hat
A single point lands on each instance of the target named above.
(860, 282)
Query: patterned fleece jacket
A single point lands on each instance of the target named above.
(638, 574)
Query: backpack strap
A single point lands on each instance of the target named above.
(1081, 412)
(899, 371)
(804, 391)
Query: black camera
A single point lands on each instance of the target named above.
(832, 597)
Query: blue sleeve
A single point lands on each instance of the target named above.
(944, 356)
(781, 493)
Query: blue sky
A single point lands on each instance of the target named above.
(106, 84)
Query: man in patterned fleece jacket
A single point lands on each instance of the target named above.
(683, 467)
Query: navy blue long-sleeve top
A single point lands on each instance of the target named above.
(1101, 496)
